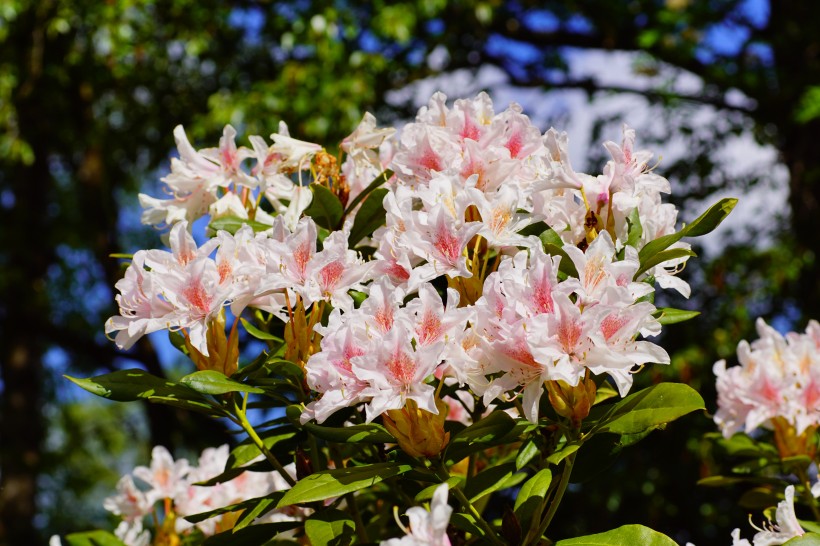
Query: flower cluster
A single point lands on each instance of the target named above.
(776, 386)
(169, 487)
(467, 183)
(186, 289)
(464, 263)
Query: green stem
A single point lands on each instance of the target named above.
(465, 502)
(351, 500)
(357, 518)
(556, 500)
(248, 428)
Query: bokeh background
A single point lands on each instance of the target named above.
(726, 91)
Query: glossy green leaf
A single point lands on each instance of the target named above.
(566, 266)
(663, 256)
(528, 450)
(325, 208)
(93, 538)
(232, 224)
(466, 523)
(257, 333)
(330, 527)
(628, 535)
(369, 217)
(248, 451)
(651, 408)
(136, 384)
(635, 228)
(532, 495)
(669, 315)
(495, 429)
(563, 453)
(365, 433)
(809, 539)
(130, 385)
(249, 504)
(380, 179)
(492, 479)
(427, 492)
(702, 225)
(214, 382)
(255, 535)
(340, 481)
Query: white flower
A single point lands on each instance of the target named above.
(785, 526)
(427, 528)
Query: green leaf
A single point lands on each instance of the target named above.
(466, 523)
(354, 434)
(702, 225)
(663, 256)
(526, 452)
(669, 315)
(492, 479)
(248, 451)
(325, 208)
(563, 453)
(536, 228)
(809, 539)
(566, 266)
(810, 526)
(427, 492)
(232, 224)
(257, 333)
(628, 535)
(331, 527)
(635, 229)
(495, 429)
(255, 535)
(136, 384)
(249, 504)
(380, 179)
(93, 538)
(340, 481)
(130, 385)
(651, 408)
(369, 217)
(532, 495)
(214, 382)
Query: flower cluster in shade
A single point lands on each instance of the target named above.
(145, 490)
(778, 377)
(471, 189)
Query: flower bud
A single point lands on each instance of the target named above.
(572, 402)
(418, 432)
(223, 351)
(791, 444)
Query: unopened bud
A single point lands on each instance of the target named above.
(223, 350)
(418, 432)
(791, 444)
(572, 402)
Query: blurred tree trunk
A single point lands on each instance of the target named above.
(25, 307)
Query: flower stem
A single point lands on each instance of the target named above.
(248, 428)
(556, 500)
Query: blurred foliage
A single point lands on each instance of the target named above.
(90, 92)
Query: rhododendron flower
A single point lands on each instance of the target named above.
(778, 377)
